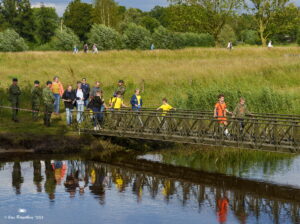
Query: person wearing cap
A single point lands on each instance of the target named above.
(121, 88)
(14, 93)
(48, 99)
(36, 96)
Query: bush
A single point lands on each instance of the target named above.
(227, 34)
(298, 36)
(64, 40)
(198, 40)
(136, 37)
(165, 39)
(104, 37)
(10, 40)
(249, 37)
(262, 100)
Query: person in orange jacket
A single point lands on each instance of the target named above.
(57, 90)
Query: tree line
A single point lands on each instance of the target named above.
(183, 23)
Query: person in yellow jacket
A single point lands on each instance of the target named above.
(117, 102)
(165, 107)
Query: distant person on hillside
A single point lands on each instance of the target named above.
(117, 102)
(95, 89)
(58, 90)
(136, 101)
(36, 96)
(85, 48)
(95, 49)
(14, 93)
(75, 49)
(229, 46)
(69, 98)
(80, 97)
(49, 99)
(220, 112)
(86, 88)
(152, 47)
(270, 44)
(121, 88)
(240, 111)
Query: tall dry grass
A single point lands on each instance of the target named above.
(164, 72)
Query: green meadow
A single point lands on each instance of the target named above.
(189, 78)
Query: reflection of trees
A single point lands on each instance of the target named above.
(37, 175)
(17, 178)
(229, 161)
(50, 183)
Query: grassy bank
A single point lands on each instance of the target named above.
(190, 78)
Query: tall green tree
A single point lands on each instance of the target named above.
(215, 12)
(46, 22)
(106, 12)
(19, 16)
(79, 17)
(265, 12)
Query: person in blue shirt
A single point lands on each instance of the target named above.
(136, 100)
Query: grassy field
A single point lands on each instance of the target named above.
(191, 78)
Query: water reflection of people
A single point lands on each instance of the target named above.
(37, 175)
(222, 205)
(59, 170)
(50, 183)
(168, 189)
(99, 180)
(17, 178)
(137, 186)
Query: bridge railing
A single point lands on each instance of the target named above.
(250, 132)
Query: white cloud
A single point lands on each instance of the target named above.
(59, 7)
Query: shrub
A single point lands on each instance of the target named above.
(298, 36)
(198, 40)
(165, 39)
(64, 40)
(136, 37)
(227, 34)
(263, 100)
(10, 40)
(249, 37)
(104, 37)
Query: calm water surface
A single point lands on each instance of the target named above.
(83, 191)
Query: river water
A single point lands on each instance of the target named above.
(154, 188)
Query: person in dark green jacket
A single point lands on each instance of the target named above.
(14, 93)
(48, 99)
(36, 96)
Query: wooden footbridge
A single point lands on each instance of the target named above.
(278, 132)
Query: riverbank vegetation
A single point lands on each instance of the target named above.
(189, 78)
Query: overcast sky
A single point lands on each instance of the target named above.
(145, 5)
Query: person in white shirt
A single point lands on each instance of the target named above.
(80, 97)
(270, 44)
(229, 45)
(95, 49)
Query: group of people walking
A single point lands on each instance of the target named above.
(84, 97)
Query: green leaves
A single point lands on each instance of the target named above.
(10, 40)
(104, 37)
(136, 37)
(64, 39)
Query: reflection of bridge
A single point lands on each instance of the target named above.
(260, 131)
